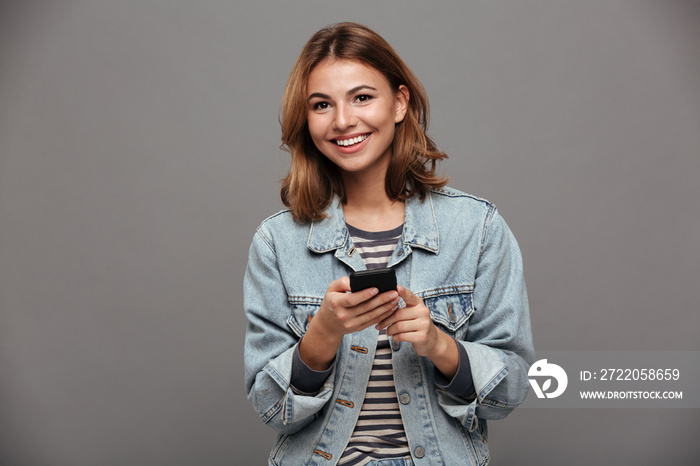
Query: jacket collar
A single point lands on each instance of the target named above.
(419, 230)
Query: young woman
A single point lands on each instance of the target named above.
(407, 376)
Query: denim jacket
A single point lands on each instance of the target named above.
(459, 256)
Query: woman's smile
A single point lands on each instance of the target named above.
(353, 144)
(351, 141)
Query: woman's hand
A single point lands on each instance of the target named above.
(342, 313)
(413, 324)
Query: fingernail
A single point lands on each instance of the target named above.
(374, 291)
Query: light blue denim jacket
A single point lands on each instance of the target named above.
(459, 256)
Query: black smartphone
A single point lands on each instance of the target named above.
(383, 279)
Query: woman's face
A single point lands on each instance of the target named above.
(352, 112)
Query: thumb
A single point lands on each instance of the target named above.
(340, 285)
(408, 297)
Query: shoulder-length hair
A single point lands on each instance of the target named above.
(313, 180)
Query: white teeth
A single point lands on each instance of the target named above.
(351, 141)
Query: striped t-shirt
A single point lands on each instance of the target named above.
(379, 432)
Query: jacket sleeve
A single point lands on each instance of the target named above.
(499, 337)
(270, 345)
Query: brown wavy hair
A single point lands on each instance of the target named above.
(313, 180)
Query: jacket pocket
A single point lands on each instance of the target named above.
(451, 308)
(281, 445)
(477, 442)
(303, 308)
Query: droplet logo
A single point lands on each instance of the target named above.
(544, 370)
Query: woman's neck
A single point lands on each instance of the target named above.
(368, 206)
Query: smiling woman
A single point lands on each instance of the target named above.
(402, 377)
(313, 180)
(352, 115)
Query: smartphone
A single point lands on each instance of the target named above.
(383, 279)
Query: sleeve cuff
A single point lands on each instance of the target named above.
(462, 384)
(304, 380)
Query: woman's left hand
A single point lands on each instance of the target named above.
(413, 324)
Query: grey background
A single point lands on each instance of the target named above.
(139, 151)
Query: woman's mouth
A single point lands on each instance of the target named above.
(351, 141)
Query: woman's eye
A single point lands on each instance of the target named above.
(320, 106)
(363, 98)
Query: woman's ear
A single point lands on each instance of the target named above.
(401, 103)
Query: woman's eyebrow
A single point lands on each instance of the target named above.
(350, 92)
(359, 88)
(319, 95)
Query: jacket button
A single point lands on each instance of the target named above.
(404, 398)
(419, 452)
(395, 345)
(453, 318)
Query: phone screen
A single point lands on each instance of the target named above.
(383, 279)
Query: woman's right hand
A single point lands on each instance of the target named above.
(342, 313)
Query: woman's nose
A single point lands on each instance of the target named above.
(344, 117)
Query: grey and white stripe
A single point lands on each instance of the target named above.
(379, 432)
(375, 247)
